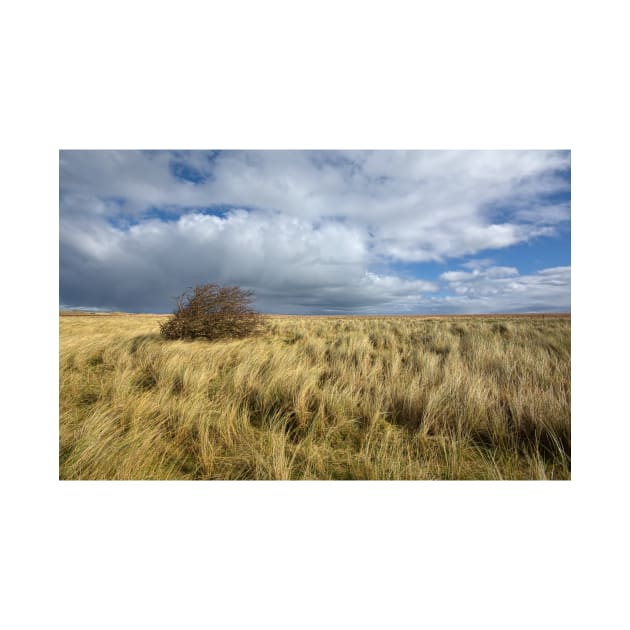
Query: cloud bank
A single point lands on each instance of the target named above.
(311, 231)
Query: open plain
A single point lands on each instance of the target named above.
(391, 397)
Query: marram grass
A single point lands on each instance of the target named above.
(317, 398)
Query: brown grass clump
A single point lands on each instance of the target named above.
(317, 398)
(210, 311)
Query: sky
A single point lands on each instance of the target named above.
(318, 232)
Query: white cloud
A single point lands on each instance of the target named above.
(545, 213)
(317, 225)
(503, 289)
(285, 259)
(478, 263)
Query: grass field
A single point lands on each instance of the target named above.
(318, 398)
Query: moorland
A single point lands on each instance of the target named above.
(380, 397)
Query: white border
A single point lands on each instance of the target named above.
(538, 75)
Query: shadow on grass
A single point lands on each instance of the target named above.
(140, 340)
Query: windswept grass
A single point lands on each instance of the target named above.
(317, 398)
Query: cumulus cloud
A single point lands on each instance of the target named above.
(305, 229)
(503, 289)
(285, 259)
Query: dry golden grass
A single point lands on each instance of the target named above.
(317, 398)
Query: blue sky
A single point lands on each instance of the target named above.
(318, 231)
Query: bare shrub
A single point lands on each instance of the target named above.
(210, 311)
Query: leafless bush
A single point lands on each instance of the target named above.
(210, 311)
